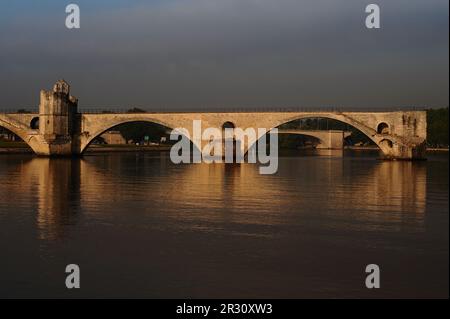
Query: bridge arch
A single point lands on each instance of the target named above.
(30, 140)
(87, 140)
(387, 146)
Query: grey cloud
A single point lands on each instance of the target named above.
(235, 53)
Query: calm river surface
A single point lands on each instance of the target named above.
(140, 226)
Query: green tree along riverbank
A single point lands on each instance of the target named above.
(437, 127)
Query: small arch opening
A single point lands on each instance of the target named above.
(34, 124)
(387, 143)
(383, 128)
(228, 124)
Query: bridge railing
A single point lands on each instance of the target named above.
(19, 110)
(89, 110)
(118, 110)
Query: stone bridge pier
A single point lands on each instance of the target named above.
(59, 129)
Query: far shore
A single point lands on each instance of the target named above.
(126, 148)
(362, 148)
(431, 149)
(21, 148)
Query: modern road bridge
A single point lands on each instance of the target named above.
(328, 139)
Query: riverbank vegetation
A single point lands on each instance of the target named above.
(437, 128)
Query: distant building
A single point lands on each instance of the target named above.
(113, 137)
(8, 136)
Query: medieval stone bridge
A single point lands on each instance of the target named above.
(59, 129)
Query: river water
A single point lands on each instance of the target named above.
(139, 226)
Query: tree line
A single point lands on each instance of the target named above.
(437, 127)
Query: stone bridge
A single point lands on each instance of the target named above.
(59, 129)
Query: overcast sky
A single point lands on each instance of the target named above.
(227, 53)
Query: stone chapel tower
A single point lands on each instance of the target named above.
(57, 111)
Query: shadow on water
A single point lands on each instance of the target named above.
(66, 188)
(274, 234)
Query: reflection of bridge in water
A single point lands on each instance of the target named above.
(67, 188)
(59, 129)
